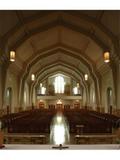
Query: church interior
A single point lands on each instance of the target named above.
(59, 78)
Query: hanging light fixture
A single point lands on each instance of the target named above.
(32, 77)
(106, 56)
(86, 77)
(12, 56)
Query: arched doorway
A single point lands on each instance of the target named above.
(9, 99)
(109, 99)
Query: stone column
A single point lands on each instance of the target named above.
(71, 87)
(118, 87)
(1, 136)
(1, 100)
(47, 87)
(1, 139)
(3, 82)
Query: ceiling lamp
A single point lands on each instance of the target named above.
(12, 56)
(32, 77)
(86, 77)
(106, 57)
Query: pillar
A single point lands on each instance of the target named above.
(118, 87)
(1, 100)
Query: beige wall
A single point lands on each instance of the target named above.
(92, 96)
(12, 81)
(107, 81)
(118, 88)
(26, 96)
(0, 89)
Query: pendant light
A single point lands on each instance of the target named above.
(107, 57)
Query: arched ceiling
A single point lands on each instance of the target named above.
(61, 67)
(42, 37)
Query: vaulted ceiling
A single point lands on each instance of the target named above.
(72, 42)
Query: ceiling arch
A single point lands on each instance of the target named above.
(42, 78)
(50, 72)
(62, 63)
(60, 66)
(77, 56)
(41, 21)
(64, 50)
(58, 14)
(56, 23)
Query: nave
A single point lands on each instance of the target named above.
(84, 127)
(59, 77)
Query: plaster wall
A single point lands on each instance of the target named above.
(12, 81)
(107, 81)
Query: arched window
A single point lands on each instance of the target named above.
(59, 84)
(43, 90)
(75, 90)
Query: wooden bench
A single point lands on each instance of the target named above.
(95, 139)
(24, 139)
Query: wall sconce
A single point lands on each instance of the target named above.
(86, 77)
(12, 56)
(32, 77)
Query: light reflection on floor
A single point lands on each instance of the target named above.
(59, 130)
